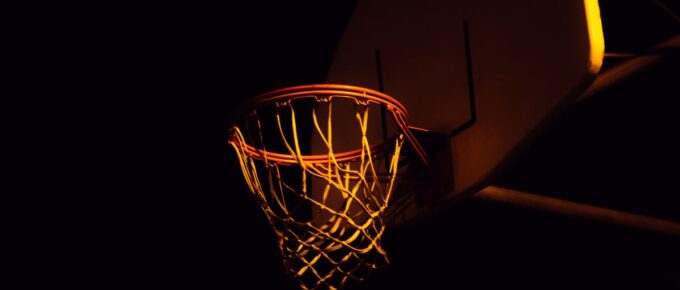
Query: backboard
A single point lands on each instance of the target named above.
(483, 75)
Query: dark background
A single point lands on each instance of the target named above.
(159, 200)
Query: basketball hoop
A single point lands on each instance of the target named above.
(323, 243)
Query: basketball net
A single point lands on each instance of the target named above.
(333, 232)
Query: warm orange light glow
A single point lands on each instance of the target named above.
(595, 35)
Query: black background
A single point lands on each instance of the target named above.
(158, 200)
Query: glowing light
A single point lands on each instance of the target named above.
(595, 35)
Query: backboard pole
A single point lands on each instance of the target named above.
(631, 67)
(529, 200)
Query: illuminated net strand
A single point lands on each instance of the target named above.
(310, 244)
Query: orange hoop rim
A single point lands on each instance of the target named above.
(326, 92)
